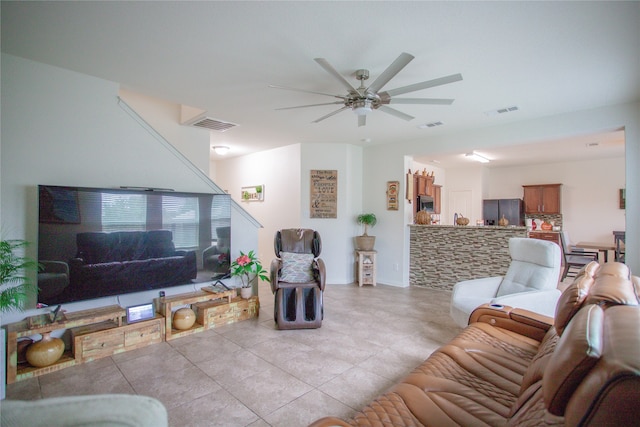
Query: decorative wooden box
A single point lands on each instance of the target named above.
(218, 313)
(104, 339)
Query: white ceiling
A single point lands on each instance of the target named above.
(544, 57)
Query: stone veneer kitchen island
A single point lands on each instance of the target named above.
(442, 255)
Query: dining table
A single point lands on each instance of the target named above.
(599, 246)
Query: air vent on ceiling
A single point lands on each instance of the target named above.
(213, 124)
(430, 125)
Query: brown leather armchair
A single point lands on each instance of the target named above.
(298, 279)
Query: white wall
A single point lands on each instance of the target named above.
(285, 173)
(278, 170)
(66, 128)
(391, 231)
(164, 117)
(589, 193)
(337, 234)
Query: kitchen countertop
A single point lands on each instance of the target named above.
(462, 227)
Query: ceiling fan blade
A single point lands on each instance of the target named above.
(394, 112)
(306, 91)
(427, 101)
(310, 105)
(329, 69)
(330, 114)
(393, 69)
(424, 85)
(362, 120)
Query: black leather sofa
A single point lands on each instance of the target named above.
(127, 261)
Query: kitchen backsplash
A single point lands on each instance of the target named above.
(555, 219)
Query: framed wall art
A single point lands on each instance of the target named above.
(253, 193)
(393, 187)
(324, 194)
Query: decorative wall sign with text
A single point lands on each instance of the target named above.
(392, 195)
(324, 194)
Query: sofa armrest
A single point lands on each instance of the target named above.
(321, 269)
(58, 267)
(485, 287)
(330, 422)
(518, 320)
(94, 410)
(543, 302)
(274, 272)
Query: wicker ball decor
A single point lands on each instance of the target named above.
(423, 217)
(462, 220)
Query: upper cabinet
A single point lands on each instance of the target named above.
(424, 185)
(542, 199)
(437, 197)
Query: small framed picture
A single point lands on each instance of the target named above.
(392, 195)
(137, 313)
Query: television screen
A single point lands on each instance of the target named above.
(98, 242)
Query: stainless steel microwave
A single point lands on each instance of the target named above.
(426, 203)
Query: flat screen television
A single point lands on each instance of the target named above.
(99, 242)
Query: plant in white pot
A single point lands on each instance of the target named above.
(366, 242)
(248, 267)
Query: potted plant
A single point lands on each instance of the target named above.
(248, 267)
(366, 242)
(14, 284)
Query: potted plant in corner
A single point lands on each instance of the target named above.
(366, 242)
(248, 268)
(14, 286)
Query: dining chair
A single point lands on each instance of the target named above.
(574, 257)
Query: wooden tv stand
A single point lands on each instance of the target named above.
(102, 332)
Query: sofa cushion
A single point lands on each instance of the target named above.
(610, 393)
(523, 273)
(159, 244)
(573, 296)
(296, 268)
(538, 364)
(614, 286)
(579, 348)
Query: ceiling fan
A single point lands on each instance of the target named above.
(363, 100)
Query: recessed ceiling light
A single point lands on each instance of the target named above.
(592, 144)
(477, 157)
(366, 140)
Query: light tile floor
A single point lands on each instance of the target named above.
(251, 374)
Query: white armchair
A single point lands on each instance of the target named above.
(531, 282)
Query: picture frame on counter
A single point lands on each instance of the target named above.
(138, 313)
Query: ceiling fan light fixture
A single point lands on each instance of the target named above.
(362, 108)
(220, 149)
(476, 157)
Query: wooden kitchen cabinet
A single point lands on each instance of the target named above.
(424, 185)
(550, 236)
(437, 198)
(542, 199)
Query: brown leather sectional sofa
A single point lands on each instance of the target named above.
(512, 367)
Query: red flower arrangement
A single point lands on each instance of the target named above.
(247, 265)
